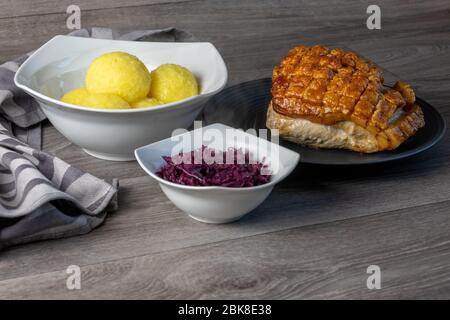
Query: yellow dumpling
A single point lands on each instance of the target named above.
(172, 82)
(147, 102)
(119, 73)
(83, 97)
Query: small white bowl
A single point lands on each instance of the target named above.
(60, 65)
(217, 204)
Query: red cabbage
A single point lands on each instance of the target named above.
(241, 173)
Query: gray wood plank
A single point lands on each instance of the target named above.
(148, 223)
(324, 261)
(225, 19)
(20, 8)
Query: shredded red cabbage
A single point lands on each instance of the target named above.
(241, 173)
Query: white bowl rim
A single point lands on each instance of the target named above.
(129, 110)
(271, 183)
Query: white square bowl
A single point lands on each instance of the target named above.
(213, 204)
(60, 65)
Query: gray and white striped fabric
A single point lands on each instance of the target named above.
(41, 196)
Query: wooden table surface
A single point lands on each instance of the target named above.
(313, 240)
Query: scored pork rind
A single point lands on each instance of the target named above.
(331, 85)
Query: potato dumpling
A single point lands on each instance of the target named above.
(119, 73)
(146, 102)
(76, 96)
(83, 97)
(171, 82)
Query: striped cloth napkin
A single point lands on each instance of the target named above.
(41, 196)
